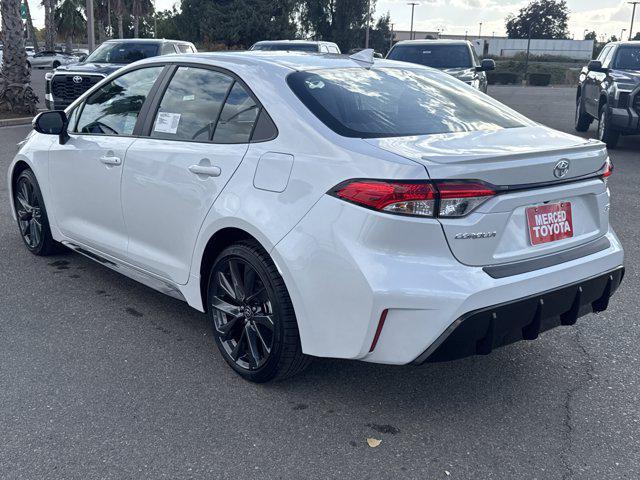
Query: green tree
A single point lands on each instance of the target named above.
(636, 36)
(49, 23)
(592, 35)
(140, 9)
(30, 28)
(120, 9)
(540, 19)
(167, 23)
(16, 94)
(70, 21)
(380, 37)
(340, 21)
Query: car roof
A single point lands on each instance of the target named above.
(302, 42)
(432, 42)
(297, 61)
(144, 40)
(634, 43)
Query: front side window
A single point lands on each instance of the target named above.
(191, 105)
(388, 102)
(433, 55)
(237, 118)
(114, 108)
(627, 58)
(122, 52)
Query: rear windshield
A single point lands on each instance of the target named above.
(627, 58)
(393, 102)
(125, 52)
(286, 47)
(436, 56)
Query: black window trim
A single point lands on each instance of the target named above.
(159, 92)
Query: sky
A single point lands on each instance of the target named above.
(606, 17)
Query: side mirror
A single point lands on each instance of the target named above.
(486, 65)
(377, 55)
(53, 122)
(596, 66)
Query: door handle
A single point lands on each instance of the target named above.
(209, 171)
(109, 160)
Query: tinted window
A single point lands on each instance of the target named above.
(607, 58)
(191, 105)
(627, 58)
(122, 52)
(185, 48)
(168, 49)
(603, 53)
(114, 108)
(238, 117)
(433, 55)
(386, 102)
(333, 49)
(288, 47)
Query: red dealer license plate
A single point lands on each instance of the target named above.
(548, 223)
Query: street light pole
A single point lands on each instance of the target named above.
(413, 6)
(91, 38)
(480, 32)
(391, 39)
(633, 15)
(622, 33)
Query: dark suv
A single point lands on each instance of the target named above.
(68, 82)
(609, 91)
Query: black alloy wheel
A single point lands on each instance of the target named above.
(254, 324)
(32, 215)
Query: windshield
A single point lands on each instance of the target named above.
(114, 52)
(287, 47)
(433, 55)
(388, 102)
(627, 58)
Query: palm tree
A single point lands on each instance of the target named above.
(140, 8)
(32, 31)
(16, 94)
(49, 23)
(120, 9)
(70, 21)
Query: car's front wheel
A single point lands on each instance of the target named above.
(253, 319)
(583, 119)
(32, 215)
(606, 132)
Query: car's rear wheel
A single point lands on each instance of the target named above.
(254, 323)
(32, 215)
(606, 133)
(583, 119)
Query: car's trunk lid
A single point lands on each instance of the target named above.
(528, 165)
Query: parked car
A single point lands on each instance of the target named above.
(67, 83)
(318, 205)
(30, 51)
(608, 91)
(457, 58)
(49, 59)
(296, 46)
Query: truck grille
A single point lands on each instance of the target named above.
(65, 89)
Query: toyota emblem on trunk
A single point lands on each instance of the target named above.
(77, 79)
(561, 168)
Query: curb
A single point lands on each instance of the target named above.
(11, 122)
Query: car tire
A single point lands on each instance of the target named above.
(583, 119)
(253, 319)
(606, 133)
(31, 214)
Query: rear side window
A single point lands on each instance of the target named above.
(114, 108)
(238, 117)
(184, 48)
(393, 102)
(191, 105)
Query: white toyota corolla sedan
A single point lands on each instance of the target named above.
(321, 205)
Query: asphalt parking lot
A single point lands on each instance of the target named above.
(101, 377)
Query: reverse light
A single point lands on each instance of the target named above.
(608, 170)
(445, 198)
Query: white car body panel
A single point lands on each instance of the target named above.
(343, 265)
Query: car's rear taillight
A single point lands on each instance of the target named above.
(444, 198)
(457, 199)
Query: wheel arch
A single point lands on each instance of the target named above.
(602, 101)
(17, 168)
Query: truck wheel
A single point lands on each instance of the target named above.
(606, 133)
(583, 119)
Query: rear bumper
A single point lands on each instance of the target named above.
(480, 331)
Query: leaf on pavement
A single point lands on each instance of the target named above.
(373, 442)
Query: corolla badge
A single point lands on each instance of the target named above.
(77, 79)
(561, 168)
